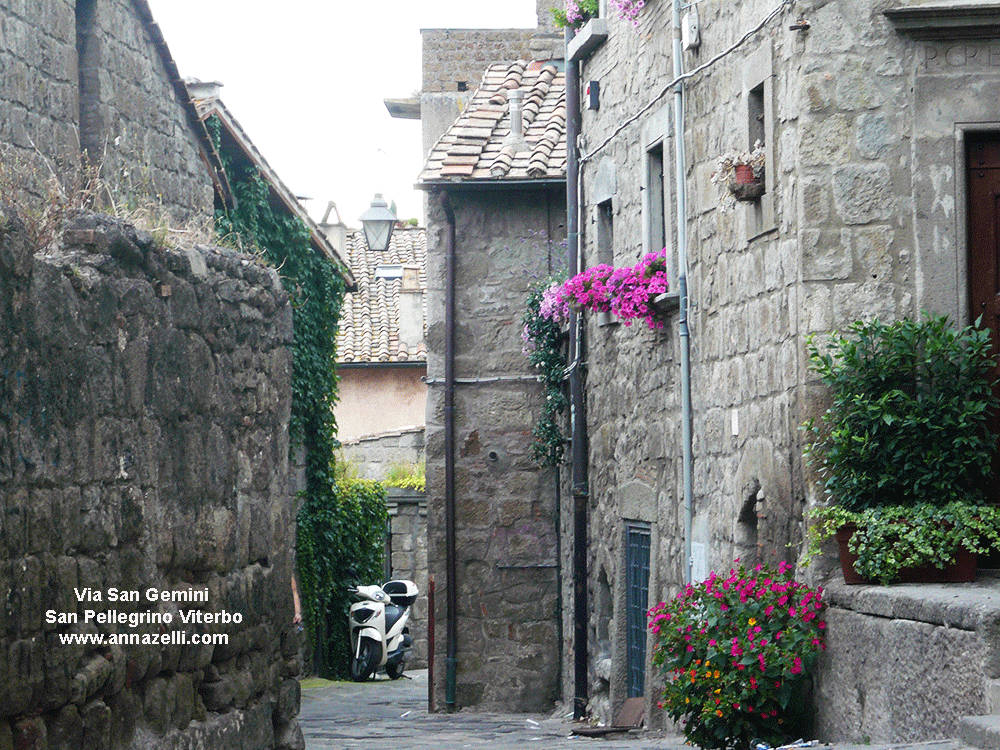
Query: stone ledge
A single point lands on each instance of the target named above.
(946, 20)
(590, 37)
(970, 606)
(980, 731)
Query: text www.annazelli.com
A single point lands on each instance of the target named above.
(170, 638)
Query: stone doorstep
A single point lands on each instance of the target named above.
(970, 606)
(980, 731)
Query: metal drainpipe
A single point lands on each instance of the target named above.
(577, 414)
(451, 637)
(685, 332)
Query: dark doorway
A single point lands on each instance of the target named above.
(983, 180)
(637, 574)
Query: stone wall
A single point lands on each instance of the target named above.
(374, 456)
(863, 216)
(408, 560)
(506, 509)
(906, 663)
(144, 402)
(141, 129)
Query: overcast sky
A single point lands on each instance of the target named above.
(306, 80)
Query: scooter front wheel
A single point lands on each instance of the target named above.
(363, 662)
(395, 671)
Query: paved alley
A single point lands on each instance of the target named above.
(392, 715)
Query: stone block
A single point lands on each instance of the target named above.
(289, 736)
(31, 734)
(862, 193)
(219, 695)
(824, 141)
(96, 717)
(65, 729)
(874, 134)
(287, 706)
(825, 255)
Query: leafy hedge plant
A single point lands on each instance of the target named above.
(908, 420)
(340, 529)
(737, 652)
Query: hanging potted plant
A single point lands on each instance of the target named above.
(742, 173)
(575, 13)
(904, 449)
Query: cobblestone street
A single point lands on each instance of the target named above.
(392, 715)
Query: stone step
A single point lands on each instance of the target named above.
(980, 731)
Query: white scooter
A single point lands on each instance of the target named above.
(379, 635)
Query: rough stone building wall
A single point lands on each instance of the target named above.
(453, 57)
(863, 216)
(146, 143)
(144, 403)
(506, 510)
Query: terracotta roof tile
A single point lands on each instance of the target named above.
(473, 148)
(369, 322)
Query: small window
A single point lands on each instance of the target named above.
(605, 233)
(755, 114)
(462, 85)
(657, 214)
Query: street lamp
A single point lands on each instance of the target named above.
(378, 222)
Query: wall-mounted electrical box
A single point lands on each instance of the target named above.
(691, 29)
(594, 95)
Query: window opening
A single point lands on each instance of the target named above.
(637, 575)
(605, 233)
(657, 219)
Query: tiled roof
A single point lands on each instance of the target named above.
(473, 148)
(369, 319)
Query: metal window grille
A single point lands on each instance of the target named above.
(637, 572)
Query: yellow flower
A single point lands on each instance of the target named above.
(716, 674)
(753, 621)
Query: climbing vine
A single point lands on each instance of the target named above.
(339, 526)
(545, 347)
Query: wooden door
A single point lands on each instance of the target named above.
(983, 175)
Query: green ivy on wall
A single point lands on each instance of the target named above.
(339, 526)
(545, 347)
(341, 533)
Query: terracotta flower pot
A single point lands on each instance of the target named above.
(744, 185)
(743, 174)
(962, 570)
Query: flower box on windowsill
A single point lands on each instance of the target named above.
(587, 39)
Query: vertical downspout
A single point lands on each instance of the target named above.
(451, 637)
(680, 175)
(576, 397)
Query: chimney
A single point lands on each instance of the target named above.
(516, 137)
(336, 233)
(202, 90)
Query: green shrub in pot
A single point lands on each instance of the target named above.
(907, 423)
(904, 448)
